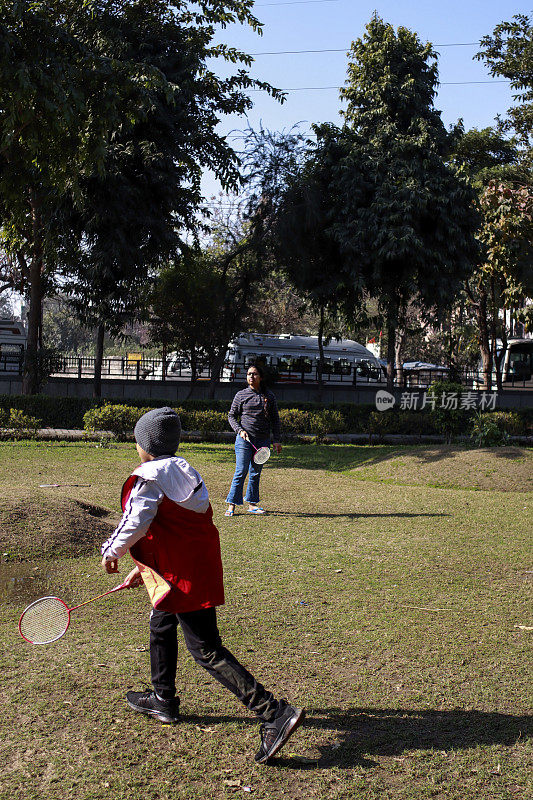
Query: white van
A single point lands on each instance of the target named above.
(12, 344)
(516, 365)
(295, 358)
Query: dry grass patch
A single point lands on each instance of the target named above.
(34, 525)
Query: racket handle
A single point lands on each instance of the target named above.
(99, 597)
(249, 442)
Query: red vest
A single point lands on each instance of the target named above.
(182, 547)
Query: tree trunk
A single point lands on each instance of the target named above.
(453, 348)
(30, 375)
(194, 371)
(494, 331)
(399, 341)
(99, 357)
(164, 361)
(484, 339)
(500, 358)
(216, 369)
(391, 339)
(320, 367)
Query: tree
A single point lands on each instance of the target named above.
(62, 331)
(202, 299)
(507, 236)
(279, 307)
(496, 170)
(289, 176)
(508, 53)
(94, 96)
(410, 226)
(6, 308)
(220, 284)
(45, 106)
(185, 308)
(304, 239)
(238, 260)
(486, 155)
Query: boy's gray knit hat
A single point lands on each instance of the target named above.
(158, 432)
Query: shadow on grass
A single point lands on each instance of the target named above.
(391, 732)
(334, 458)
(349, 515)
(510, 453)
(346, 457)
(361, 733)
(444, 451)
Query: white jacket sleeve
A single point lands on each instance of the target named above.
(140, 510)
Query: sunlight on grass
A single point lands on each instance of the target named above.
(394, 605)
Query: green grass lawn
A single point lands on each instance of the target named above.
(388, 590)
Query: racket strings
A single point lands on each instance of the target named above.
(45, 620)
(262, 455)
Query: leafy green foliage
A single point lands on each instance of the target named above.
(305, 227)
(511, 422)
(507, 236)
(412, 224)
(108, 117)
(485, 155)
(119, 420)
(186, 306)
(397, 423)
(18, 425)
(61, 329)
(449, 418)
(327, 421)
(295, 420)
(508, 53)
(375, 209)
(500, 280)
(485, 431)
(211, 416)
(206, 421)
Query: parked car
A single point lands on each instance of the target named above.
(419, 374)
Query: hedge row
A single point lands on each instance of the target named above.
(14, 424)
(303, 418)
(121, 419)
(68, 412)
(495, 427)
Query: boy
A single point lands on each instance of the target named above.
(167, 526)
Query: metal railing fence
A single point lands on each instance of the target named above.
(148, 369)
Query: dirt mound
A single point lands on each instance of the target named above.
(38, 526)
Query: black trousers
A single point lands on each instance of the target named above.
(203, 642)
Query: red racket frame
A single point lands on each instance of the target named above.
(50, 597)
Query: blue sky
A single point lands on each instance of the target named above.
(334, 24)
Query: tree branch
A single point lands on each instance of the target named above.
(470, 295)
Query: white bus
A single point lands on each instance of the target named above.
(295, 358)
(12, 344)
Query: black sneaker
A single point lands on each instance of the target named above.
(148, 703)
(274, 734)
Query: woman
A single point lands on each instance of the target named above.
(253, 413)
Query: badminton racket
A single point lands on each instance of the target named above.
(261, 455)
(46, 620)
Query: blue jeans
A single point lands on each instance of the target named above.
(244, 454)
